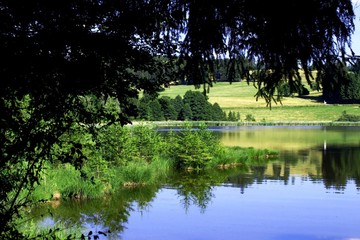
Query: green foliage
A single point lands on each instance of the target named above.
(178, 105)
(194, 106)
(67, 181)
(141, 173)
(237, 155)
(136, 173)
(168, 108)
(148, 143)
(345, 117)
(155, 111)
(193, 148)
(200, 107)
(249, 118)
(143, 107)
(116, 156)
(130, 156)
(284, 90)
(231, 70)
(350, 92)
(120, 146)
(339, 84)
(232, 116)
(185, 113)
(115, 145)
(217, 113)
(70, 57)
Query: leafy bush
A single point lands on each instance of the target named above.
(232, 116)
(250, 118)
(134, 156)
(68, 181)
(284, 90)
(193, 148)
(339, 84)
(236, 155)
(348, 118)
(136, 173)
(350, 92)
(194, 106)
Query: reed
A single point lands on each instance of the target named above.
(136, 173)
(234, 156)
(68, 183)
(140, 173)
(156, 155)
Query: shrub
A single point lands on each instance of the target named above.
(69, 182)
(194, 106)
(136, 173)
(235, 155)
(284, 90)
(348, 117)
(339, 84)
(232, 116)
(350, 92)
(193, 148)
(250, 118)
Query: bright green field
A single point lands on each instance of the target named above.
(239, 97)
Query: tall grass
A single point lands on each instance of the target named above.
(231, 156)
(142, 173)
(154, 157)
(65, 179)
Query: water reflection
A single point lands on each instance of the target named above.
(289, 137)
(108, 215)
(194, 189)
(334, 166)
(300, 178)
(339, 164)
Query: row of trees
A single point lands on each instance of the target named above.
(194, 106)
(341, 83)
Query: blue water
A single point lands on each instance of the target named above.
(311, 192)
(303, 209)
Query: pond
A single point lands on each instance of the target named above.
(311, 192)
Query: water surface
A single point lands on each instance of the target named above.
(302, 209)
(311, 192)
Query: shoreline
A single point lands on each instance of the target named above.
(238, 124)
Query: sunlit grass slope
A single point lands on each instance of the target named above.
(240, 97)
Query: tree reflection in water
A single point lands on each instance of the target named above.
(195, 188)
(108, 215)
(339, 165)
(334, 166)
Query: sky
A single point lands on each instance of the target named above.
(355, 38)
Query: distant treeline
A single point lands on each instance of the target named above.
(194, 106)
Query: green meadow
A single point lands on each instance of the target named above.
(240, 97)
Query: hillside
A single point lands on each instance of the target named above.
(240, 97)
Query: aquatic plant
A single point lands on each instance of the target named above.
(137, 156)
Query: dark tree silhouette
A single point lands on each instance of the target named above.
(56, 53)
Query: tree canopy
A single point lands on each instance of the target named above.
(55, 53)
(107, 46)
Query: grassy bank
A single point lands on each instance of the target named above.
(239, 97)
(246, 123)
(130, 157)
